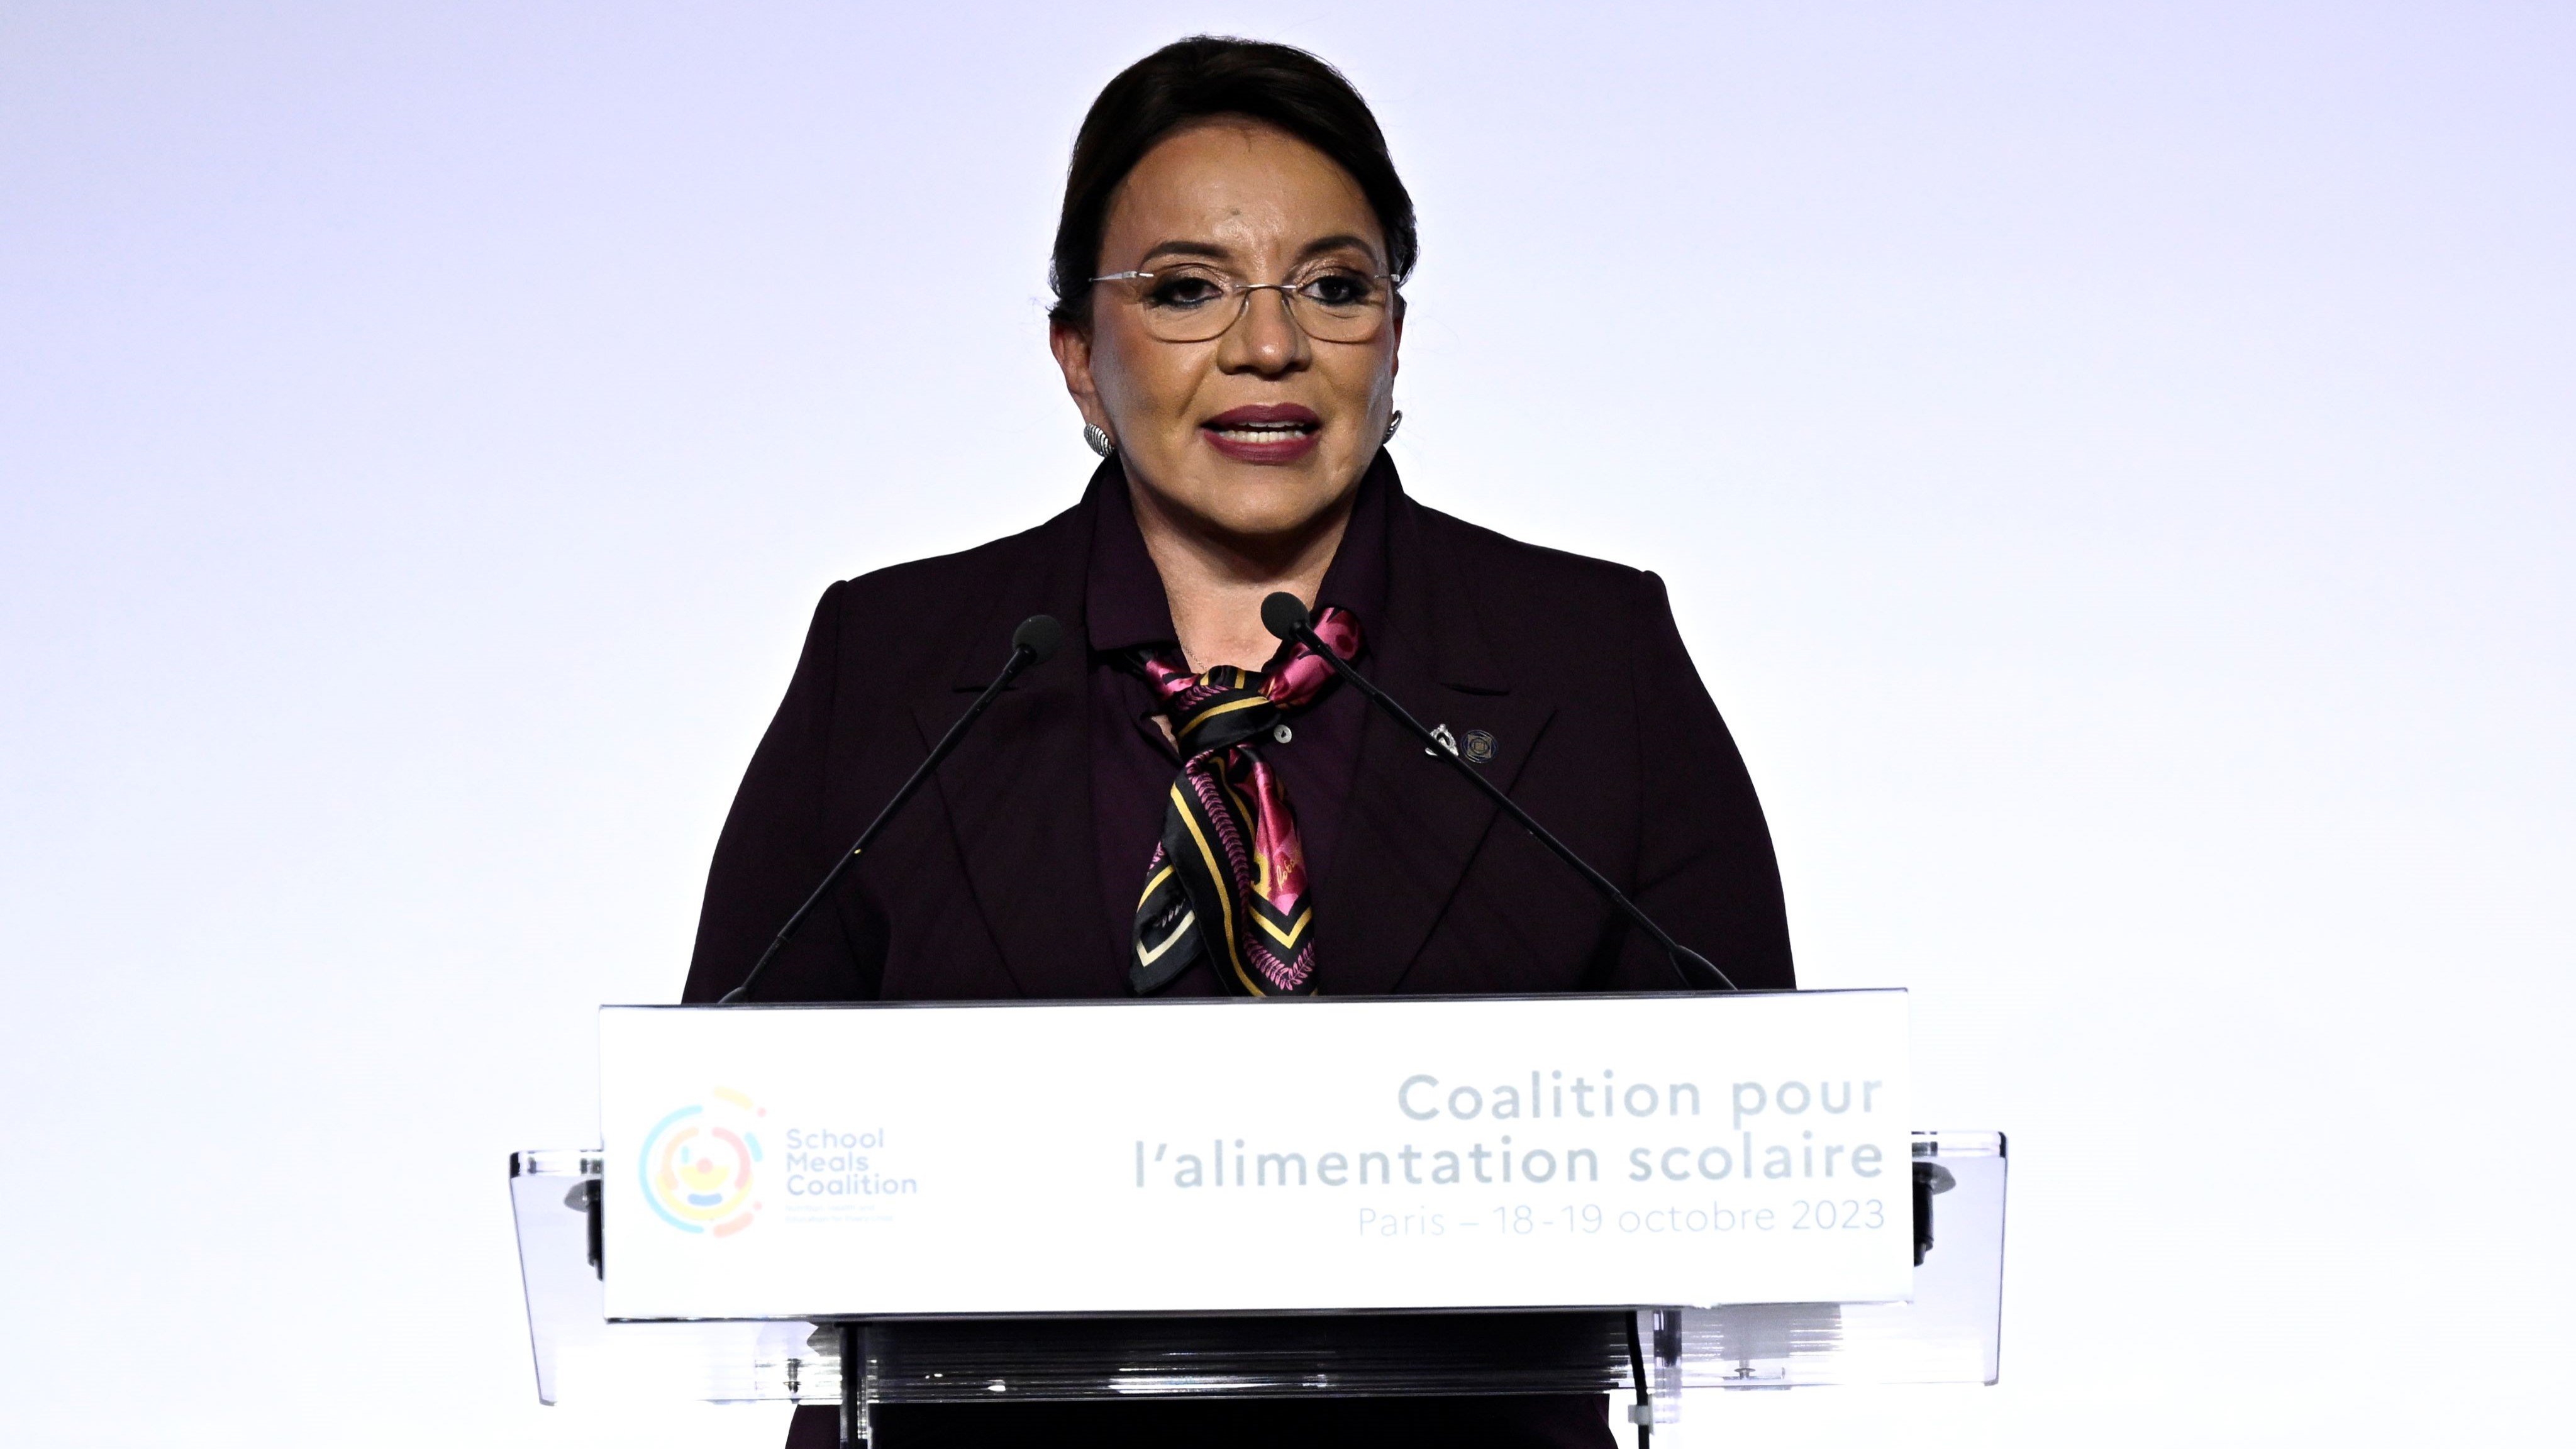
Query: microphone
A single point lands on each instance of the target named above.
(1034, 642)
(1285, 616)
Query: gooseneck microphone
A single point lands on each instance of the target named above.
(1284, 615)
(1033, 642)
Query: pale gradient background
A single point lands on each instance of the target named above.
(2113, 465)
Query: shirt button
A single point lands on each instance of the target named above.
(1282, 733)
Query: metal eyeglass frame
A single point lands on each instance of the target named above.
(1242, 293)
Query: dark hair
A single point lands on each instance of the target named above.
(1196, 79)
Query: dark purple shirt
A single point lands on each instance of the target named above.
(1132, 764)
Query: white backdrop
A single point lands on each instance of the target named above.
(2112, 464)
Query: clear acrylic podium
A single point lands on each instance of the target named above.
(1949, 1332)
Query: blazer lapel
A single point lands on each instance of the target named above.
(1411, 828)
(1018, 789)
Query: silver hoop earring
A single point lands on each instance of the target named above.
(1392, 424)
(1098, 440)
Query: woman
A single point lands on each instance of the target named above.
(1228, 321)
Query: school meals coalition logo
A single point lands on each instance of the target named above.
(701, 1165)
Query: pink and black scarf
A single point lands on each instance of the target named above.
(1227, 884)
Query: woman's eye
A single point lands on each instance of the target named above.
(1339, 289)
(1183, 292)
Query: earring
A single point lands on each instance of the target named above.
(1392, 424)
(1098, 440)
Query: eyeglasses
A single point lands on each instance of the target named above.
(1194, 304)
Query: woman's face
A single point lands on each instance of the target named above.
(1261, 431)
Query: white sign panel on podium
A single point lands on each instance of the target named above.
(1221, 1156)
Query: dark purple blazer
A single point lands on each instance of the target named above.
(985, 887)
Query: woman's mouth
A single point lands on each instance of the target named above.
(1267, 433)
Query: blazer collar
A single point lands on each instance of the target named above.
(1431, 597)
(1428, 597)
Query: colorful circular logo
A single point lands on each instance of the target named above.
(701, 1164)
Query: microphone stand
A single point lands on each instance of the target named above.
(1031, 643)
(1285, 616)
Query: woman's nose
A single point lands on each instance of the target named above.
(1264, 338)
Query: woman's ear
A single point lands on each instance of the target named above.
(1072, 349)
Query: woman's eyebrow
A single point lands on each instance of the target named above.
(1335, 243)
(1213, 251)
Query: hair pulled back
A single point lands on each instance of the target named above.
(1197, 79)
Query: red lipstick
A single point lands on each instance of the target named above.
(1264, 432)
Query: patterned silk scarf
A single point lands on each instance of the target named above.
(1228, 881)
